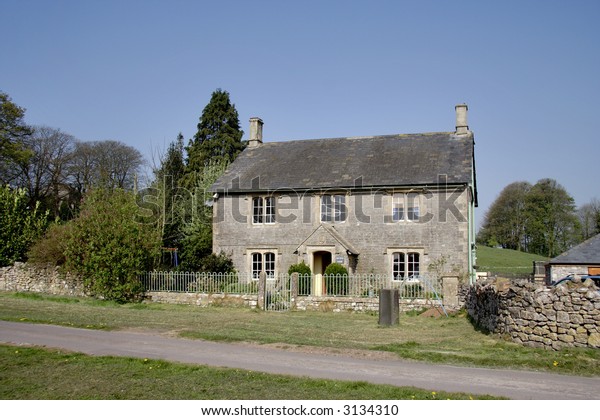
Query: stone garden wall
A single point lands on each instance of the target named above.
(50, 280)
(203, 299)
(302, 303)
(567, 315)
(23, 277)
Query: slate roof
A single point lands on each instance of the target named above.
(587, 252)
(381, 161)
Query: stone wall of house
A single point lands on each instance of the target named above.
(22, 277)
(557, 272)
(440, 235)
(567, 315)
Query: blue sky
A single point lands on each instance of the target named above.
(142, 71)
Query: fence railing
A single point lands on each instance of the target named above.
(177, 281)
(357, 285)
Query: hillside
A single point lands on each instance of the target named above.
(506, 261)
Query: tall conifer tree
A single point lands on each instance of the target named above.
(219, 137)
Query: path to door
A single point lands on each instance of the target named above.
(507, 383)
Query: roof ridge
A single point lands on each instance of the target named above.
(362, 137)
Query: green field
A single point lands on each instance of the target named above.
(506, 262)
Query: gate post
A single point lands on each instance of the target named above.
(262, 286)
(450, 291)
(293, 290)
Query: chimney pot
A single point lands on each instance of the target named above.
(461, 119)
(256, 125)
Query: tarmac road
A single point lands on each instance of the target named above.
(498, 382)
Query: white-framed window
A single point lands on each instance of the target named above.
(333, 208)
(256, 264)
(406, 265)
(406, 207)
(263, 261)
(269, 210)
(269, 258)
(263, 210)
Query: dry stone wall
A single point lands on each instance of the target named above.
(23, 277)
(567, 315)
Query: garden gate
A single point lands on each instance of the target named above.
(277, 293)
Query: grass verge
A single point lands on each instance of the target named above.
(450, 340)
(40, 374)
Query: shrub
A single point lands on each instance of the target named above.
(300, 268)
(336, 269)
(304, 279)
(109, 248)
(50, 249)
(20, 225)
(216, 263)
(336, 279)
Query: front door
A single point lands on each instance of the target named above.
(321, 259)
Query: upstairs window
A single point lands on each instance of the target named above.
(263, 210)
(333, 208)
(406, 207)
(257, 210)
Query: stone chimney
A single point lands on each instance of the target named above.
(462, 127)
(256, 125)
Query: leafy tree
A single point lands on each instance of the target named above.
(20, 225)
(109, 248)
(552, 225)
(197, 240)
(13, 131)
(219, 137)
(538, 219)
(506, 220)
(107, 164)
(589, 217)
(44, 175)
(167, 181)
(117, 164)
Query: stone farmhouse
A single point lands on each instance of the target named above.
(399, 205)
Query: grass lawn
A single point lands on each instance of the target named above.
(506, 262)
(450, 340)
(38, 374)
